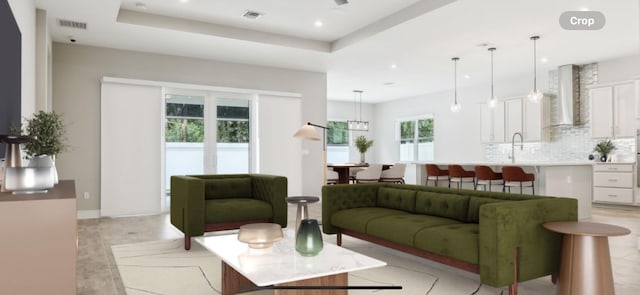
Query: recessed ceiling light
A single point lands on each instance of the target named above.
(389, 83)
(184, 1)
(544, 60)
(140, 5)
(252, 14)
(318, 24)
(467, 76)
(584, 8)
(393, 66)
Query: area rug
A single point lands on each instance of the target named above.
(164, 267)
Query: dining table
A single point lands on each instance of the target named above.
(343, 169)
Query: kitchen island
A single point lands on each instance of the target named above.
(560, 179)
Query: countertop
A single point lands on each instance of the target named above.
(65, 189)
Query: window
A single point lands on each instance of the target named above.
(337, 142)
(416, 139)
(185, 122)
(233, 148)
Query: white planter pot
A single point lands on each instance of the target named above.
(45, 161)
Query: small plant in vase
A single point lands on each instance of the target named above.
(603, 148)
(48, 131)
(363, 144)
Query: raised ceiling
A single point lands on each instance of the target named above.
(359, 42)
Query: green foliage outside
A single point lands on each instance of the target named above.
(337, 133)
(233, 131)
(185, 123)
(184, 130)
(425, 129)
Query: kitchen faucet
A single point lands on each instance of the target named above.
(513, 144)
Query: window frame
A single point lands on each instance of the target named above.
(415, 140)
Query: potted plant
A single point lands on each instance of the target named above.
(363, 145)
(604, 147)
(48, 131)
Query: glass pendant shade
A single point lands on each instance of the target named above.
(309, 238)
(456, 106)
(535, 95)
(493, 102)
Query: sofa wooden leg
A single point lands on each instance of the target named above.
(513, 288)
(339, 239)
(187, 242)
(554, 278)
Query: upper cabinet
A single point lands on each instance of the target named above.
(492, 123)
(613, 109)
(531, 119)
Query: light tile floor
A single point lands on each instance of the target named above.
(98, 274)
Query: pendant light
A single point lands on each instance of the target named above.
(493, 100)
(455, 107)
(535, 95)
(357, 124)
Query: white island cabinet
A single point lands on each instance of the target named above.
(613, 183)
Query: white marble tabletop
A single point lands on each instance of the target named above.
(281, 263)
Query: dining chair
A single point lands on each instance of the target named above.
(394, 174)
(332, 176)
(485, 176)
(370, 174)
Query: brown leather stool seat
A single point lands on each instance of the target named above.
(458, 175)
(515, 176)
(485, 176)
(435, 173)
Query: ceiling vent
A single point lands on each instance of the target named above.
(72, 24)
(252, 14)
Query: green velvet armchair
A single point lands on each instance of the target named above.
(204, 203)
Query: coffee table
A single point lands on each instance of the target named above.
(281, 267)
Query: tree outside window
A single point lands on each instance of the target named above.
(416, 140)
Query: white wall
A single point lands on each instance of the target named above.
(456, 135)
(25, 13)
(76, 94)
(619, 69)
(342, 111)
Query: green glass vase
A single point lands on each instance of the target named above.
(309, 238)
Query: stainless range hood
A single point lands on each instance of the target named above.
(568, 102)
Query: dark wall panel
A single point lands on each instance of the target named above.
(10, 70)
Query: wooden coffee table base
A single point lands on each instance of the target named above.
(232, 281)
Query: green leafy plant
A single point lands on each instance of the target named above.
(604, 147)
(49, 132)
(363, 144)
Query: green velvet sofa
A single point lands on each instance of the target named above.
(203, 203)
(497, 235)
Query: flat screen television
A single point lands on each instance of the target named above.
(10, 71)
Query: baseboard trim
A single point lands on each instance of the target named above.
(88, 214)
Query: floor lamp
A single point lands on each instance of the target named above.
(310, 133)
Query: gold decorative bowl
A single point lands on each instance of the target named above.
(260, 235)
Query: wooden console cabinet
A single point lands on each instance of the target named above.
(38, 241)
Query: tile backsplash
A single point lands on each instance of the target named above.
(567, 143)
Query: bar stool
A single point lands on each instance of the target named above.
(485, 176)
(435, 173)
(459, 176)
(515, 176)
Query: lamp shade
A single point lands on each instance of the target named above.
(307, 132)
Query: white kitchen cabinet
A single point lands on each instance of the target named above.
(531, 119)
(613, 110)
(613, 183)
(492, 123)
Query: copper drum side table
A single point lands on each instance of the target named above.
(302, 212)
(585, 268)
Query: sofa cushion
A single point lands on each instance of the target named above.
(227, 188)
(474, 207)
(458, 241)
(403, 228)
(357, 219)
(442, 205)
(393, 198)
(239, 209)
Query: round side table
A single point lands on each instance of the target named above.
(585, 268)
(302, 212)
